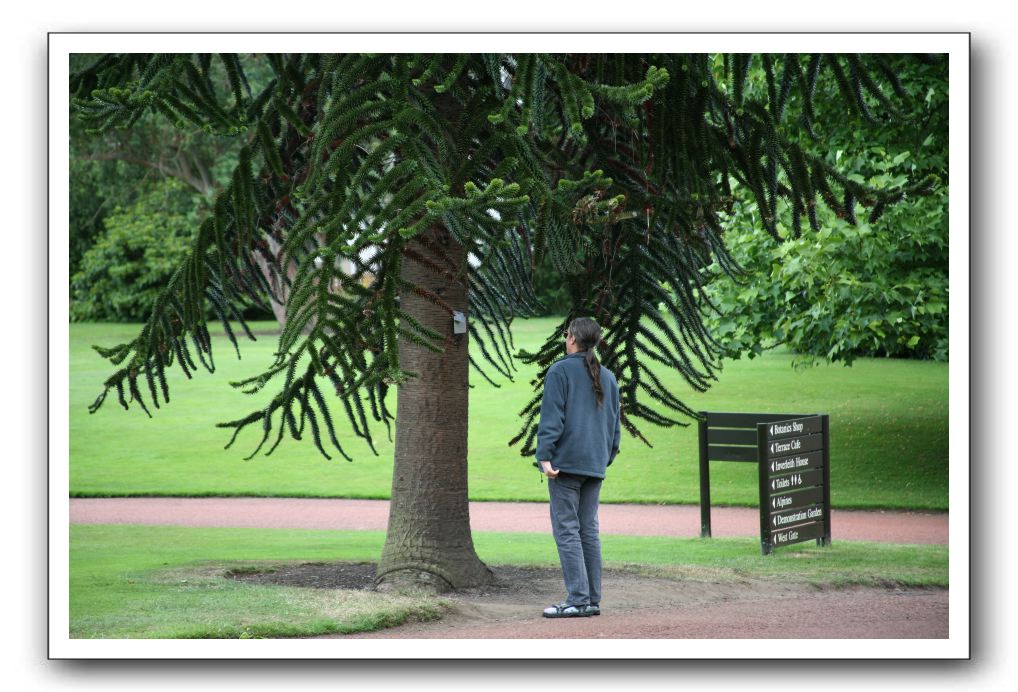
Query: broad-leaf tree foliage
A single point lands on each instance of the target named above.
(365, 182)
(617, 166)
(121, 169)
(868, 288)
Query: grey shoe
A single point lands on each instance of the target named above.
(564, 610)
(594, 609)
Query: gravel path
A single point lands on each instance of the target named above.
(738, 613)
(679, 604)
(358, 515)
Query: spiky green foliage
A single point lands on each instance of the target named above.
(616, 166)
(671, 168)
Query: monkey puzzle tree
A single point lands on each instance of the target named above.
(365, 185)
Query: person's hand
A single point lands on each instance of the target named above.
(548, 470)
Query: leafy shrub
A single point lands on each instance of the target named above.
(134, 258)
(879, 290)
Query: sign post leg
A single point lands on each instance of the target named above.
(763, 476)
(704, 479)
(825, 431)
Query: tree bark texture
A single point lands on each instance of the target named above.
(428, 542)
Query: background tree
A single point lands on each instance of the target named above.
(862, 289)
(122, 173)
(550, 289)
(378, 176)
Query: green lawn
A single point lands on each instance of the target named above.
(889, 433)
(149, 581)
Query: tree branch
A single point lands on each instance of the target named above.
(179, 173)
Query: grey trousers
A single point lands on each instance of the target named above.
(574, 501)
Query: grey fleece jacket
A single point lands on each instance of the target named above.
(574, 434)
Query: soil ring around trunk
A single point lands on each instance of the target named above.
(659, 603)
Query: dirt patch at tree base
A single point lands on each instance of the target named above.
(665, 603)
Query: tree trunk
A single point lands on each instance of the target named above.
(428, 543)
(279, 293)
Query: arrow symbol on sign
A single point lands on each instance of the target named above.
(774, 502)
(772, 466)
(772, 485)
(772, 431)
(772, 448)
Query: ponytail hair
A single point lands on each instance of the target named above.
(587, 333)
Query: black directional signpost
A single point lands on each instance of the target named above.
(795, 488)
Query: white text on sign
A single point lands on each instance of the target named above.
(782, 428)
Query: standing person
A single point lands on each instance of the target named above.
(577, 439)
